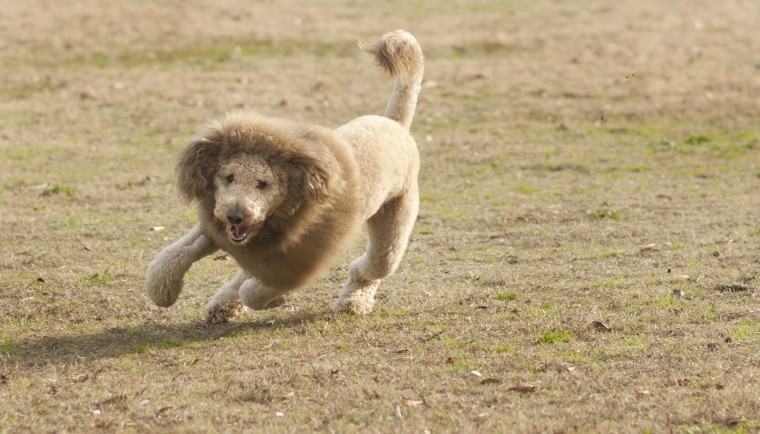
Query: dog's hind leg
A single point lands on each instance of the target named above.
(389, 231)
(164, 277)
(225, 304)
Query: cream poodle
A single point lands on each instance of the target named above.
(283, 198)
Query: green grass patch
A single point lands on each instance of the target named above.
(215, 53)
(507, 296)
(747, 328)
(696, 139)
(554, 336)
(401, 313)
(6, 346)
(635, 342)
(526, 189)
(638, 169)
(504, 348)
(451, 214)
(606, 214)
(59, 189)
(141, 348)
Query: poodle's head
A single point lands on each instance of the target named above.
(247, 175)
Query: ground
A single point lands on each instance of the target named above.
(585, 260)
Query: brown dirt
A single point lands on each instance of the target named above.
(586, 258)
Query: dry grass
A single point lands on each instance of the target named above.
(585, 260)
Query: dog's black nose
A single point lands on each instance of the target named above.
(235, 216)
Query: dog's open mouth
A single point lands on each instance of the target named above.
(238, 233)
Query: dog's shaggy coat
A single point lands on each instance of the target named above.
(283, 197)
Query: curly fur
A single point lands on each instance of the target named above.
(283, 197)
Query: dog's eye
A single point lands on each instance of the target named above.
(230, 179)
(261, 185)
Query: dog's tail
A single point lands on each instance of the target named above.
(399, 54)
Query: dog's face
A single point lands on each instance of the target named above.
(248, 180)
(247, 190)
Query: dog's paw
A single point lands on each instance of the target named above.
(358, 301)
(160, 287)
(220, 312)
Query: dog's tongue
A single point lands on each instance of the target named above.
(239, 231)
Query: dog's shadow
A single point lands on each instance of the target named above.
(117, 341)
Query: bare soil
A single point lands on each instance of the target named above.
(586, 257)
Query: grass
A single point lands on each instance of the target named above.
(554, 336)
(537, 292)
(607, 214)
(59, 189)
(507, 296)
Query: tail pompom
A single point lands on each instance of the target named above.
(400, 56)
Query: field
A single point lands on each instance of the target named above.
(586, 257)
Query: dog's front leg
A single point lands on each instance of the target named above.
(257, 296)
(225, 304)
(165, 274)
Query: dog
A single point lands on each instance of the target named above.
(283, 198)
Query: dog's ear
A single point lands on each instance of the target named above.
(315, 176)
(196, 166)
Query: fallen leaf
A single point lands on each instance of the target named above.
(99, 371)
(415, 403)
(522, 388)
(114, 399)
(731, 288)
(163, 410)
(450, 360)
(398, 413)
(476, 373)
(598, 325)
(644, 392)
(81, 378)
(433, 336)
(734, 422)
(720, 386)
(648, 248)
